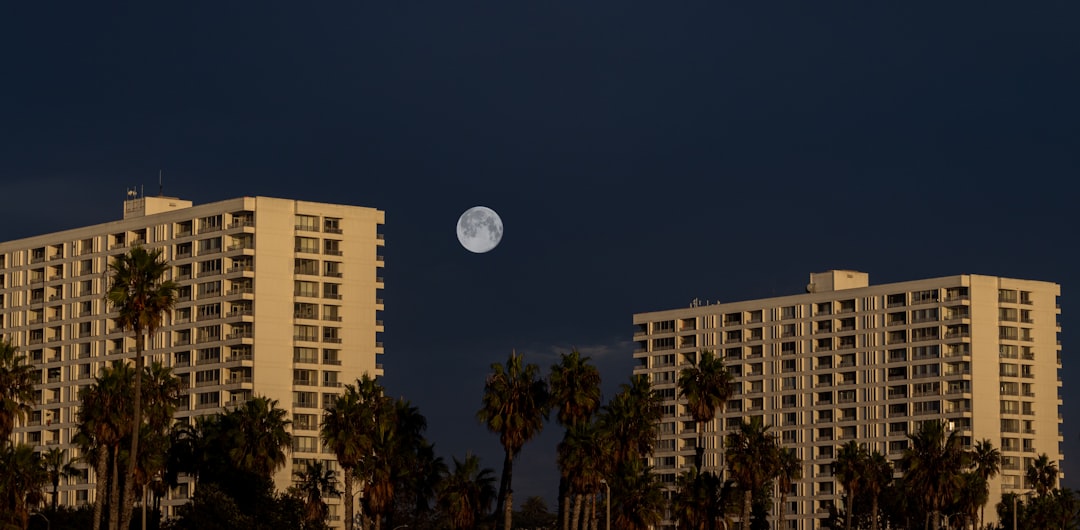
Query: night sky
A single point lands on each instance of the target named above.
(641, 155)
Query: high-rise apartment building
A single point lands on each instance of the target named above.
(276, 297)
(850, 361)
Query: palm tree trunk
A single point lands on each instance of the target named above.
(850, 504)
(348, 499)
(593, 502)
(567, 503)
(133, 458)
(504, 487)
(101, 475)
(564, 503)
(576, 523)
(747, 497)
(55, 491)
(506, 497)
(114, 491)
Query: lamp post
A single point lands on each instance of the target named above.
(607, 497)
(1015, 495)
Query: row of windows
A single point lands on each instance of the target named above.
(900, 336)
(849, 306)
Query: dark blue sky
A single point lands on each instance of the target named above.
(640, 154)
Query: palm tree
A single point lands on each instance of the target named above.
(57, 466)
(877, 475)
(348, 429)
(638, 497)
(705, 385)
(397, 437)
(465, 493)
(1042, 475)
(751, 459)
(631, 420)
(17, 395)
(932, 464)
(259, 436)
(515, 405)
(162, 395)
(22, 479)
(314, 483)
(697, 499)
(987, 461)
(849, 468)
(575, 392)
(788, 470)
(141, 296)
(104, 420)
(585, 449)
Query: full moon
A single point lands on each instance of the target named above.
(479, 229)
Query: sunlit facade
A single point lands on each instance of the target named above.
(276, 297)
(852, 361)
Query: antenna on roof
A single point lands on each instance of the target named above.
(160, 184)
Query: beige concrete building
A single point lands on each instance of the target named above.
(850, 361)
(276, 297)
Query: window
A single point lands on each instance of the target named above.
(332, 312)
(787, 313)
(210, 289)
(209, 311)
(331, 335)
(1007, 296)
(332, 225)
(787, 365)
(1008, 314)
(664, 326)
(332, 291)
(307, 244)
(332, 247)
(307, 222)
(927, 407)
(787, 348)
(332, 269)
(925, 370)
(306, 399)
(305, 310)
(305, 422)
(1008, 333)
(305, 355)
(924, 315)
(209, 224)
(787, 330)
(305, 444)
(207, 377)
(305, 288)
(924, 297)
(926, 352)
(304, 332)
(332, 357)
(209, 246)
(306, 266)
(896, 300)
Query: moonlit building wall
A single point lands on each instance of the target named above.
(851, 361)
(276, 297)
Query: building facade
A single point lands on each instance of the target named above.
(277, 297)
(850, 361)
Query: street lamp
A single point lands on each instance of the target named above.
(608, 497)
(1015, 495)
